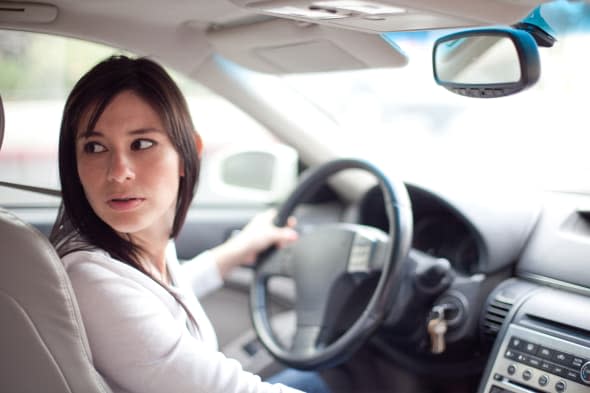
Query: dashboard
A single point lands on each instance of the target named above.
(521, 264)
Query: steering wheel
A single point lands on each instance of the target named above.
(318, 263)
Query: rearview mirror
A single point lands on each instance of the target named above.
(486, 63)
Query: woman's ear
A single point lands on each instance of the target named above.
(198, 144)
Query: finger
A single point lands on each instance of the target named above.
(291, 222)
(286, 237)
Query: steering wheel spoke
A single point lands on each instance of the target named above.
(368, 251)
(278, 262)
(306, 340)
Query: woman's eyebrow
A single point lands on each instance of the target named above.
(139, 131)
(146, 130)
(89, 133)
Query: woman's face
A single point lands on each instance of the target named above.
(129, 168)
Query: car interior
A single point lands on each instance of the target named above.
(444, 233)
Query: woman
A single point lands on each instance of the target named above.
(129, 164)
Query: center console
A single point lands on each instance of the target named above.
(544, 346)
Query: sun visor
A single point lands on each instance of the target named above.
(395, 15)
(285, 47)
(24, 12)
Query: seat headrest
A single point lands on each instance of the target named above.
(1, 122)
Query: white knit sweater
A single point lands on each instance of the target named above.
(141, 338)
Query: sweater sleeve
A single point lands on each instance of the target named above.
(202, 274)
(139, 345)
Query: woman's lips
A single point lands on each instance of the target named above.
(124, 204)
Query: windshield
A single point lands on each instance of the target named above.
(400, 117)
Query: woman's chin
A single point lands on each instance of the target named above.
(124, 227)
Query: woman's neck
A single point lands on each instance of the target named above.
(153, 255)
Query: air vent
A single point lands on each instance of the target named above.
(496, 313)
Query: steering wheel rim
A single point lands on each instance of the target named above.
(399, 216)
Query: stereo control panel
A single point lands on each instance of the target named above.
(531, 361)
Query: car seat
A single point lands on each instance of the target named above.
(43, 344)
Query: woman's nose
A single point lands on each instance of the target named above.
(120, 168)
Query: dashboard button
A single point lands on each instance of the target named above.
(531, 348)
(578, 362)
(546, 366)
(543, 380)
(545, 353)
(572, 375)
(534, 362)
(527, 375)
(510, 354)
(511, 369)
(558, 370)
(562, 358)
(516, 343)
(560, 386)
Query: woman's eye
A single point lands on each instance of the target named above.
(93, 147)
(141, 144)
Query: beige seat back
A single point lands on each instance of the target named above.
(43, 345)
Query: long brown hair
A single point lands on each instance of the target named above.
(77, 226)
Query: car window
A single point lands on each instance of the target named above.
(401, 118)
(36, 74)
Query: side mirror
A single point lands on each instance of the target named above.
(486, 63)
(261, 174)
